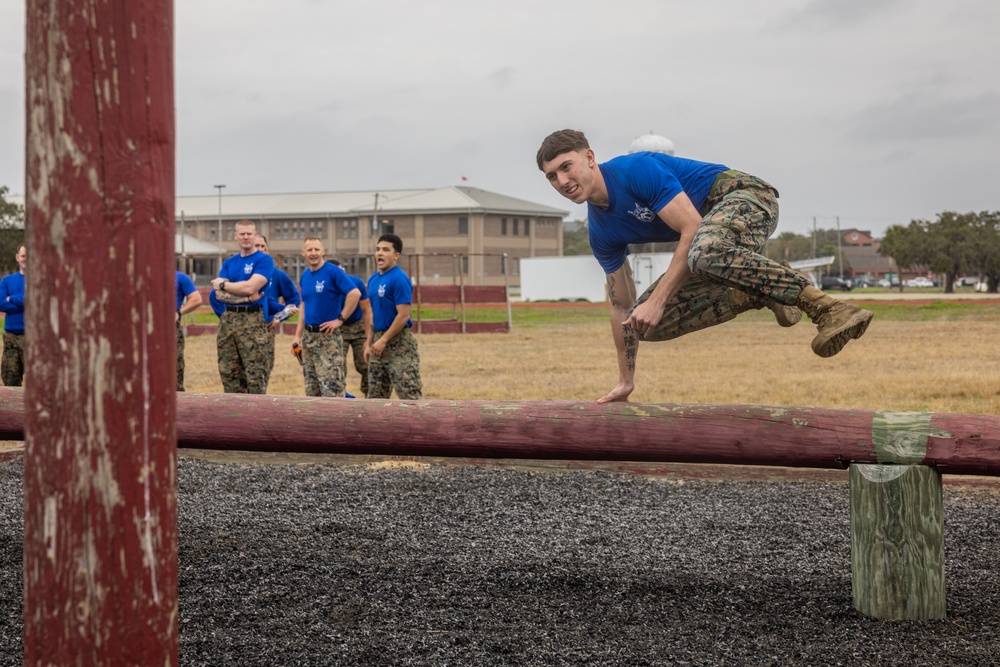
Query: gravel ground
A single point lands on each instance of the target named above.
(352, 565)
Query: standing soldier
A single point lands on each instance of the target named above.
(12, 306)
(329, 298)
(243, 335)
(188, 299)
(393, 357)
(280, 287)
(356, 330)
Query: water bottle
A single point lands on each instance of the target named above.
(285, 314)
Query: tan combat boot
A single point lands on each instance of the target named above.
(838, 322)
(787, 316)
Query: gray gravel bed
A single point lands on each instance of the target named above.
(348, 565)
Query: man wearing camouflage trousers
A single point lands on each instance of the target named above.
(243, 335)
(355, 332)
(719, 217)
(392, 353)
(329, 298)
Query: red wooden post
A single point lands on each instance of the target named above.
(100, 579)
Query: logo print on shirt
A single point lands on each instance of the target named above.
(381, 290)
(319, 286)
(248, 269)
(642, 213)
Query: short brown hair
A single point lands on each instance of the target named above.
(561, 142)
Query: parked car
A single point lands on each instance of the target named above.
(920, 281)
(833, 282)
(966, 281)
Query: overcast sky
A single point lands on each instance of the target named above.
(876, 111)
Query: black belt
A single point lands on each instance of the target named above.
(313, 328)
(243, 309)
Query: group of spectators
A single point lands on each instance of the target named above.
(338, 314)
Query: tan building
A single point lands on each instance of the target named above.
(450, 235)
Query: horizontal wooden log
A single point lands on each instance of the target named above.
(675, 433)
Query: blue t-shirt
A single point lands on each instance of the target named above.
(12, 286)
(281, 286)
(185, 286)
(237, 268)
(639, 186)
(323, 292)
(386, 291)
(357, 314)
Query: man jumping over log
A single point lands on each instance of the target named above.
(720, 218)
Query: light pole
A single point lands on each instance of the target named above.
(840, 249)
(218, 238)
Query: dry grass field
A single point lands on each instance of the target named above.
(928, 363)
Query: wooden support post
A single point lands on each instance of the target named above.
(100, 491)
(897, 542)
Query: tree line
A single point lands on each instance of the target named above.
(11, 232)
(954, 245)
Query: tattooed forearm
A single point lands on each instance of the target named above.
(226, 297)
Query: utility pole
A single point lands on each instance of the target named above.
(218, 237)
(840, 249)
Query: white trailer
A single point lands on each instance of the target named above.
(581, 278)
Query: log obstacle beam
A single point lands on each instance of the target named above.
(896, 525)
(675, 433)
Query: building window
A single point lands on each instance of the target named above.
(527, 227)
(349, 229)
(463, 226)
(465, 265)
(516, 221)
(388, 227)
(503, 226)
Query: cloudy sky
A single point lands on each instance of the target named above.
(876, 111)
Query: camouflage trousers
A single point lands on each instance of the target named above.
(242, 347)
(354, 341)
(398, 368)
(739, 216)
(180, 356)
(269, 353)
(323, 363)
(12, 363)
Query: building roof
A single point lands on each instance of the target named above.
(185, 244)
(451, 199)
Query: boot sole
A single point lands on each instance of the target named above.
(787, 316)
(854, 328)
